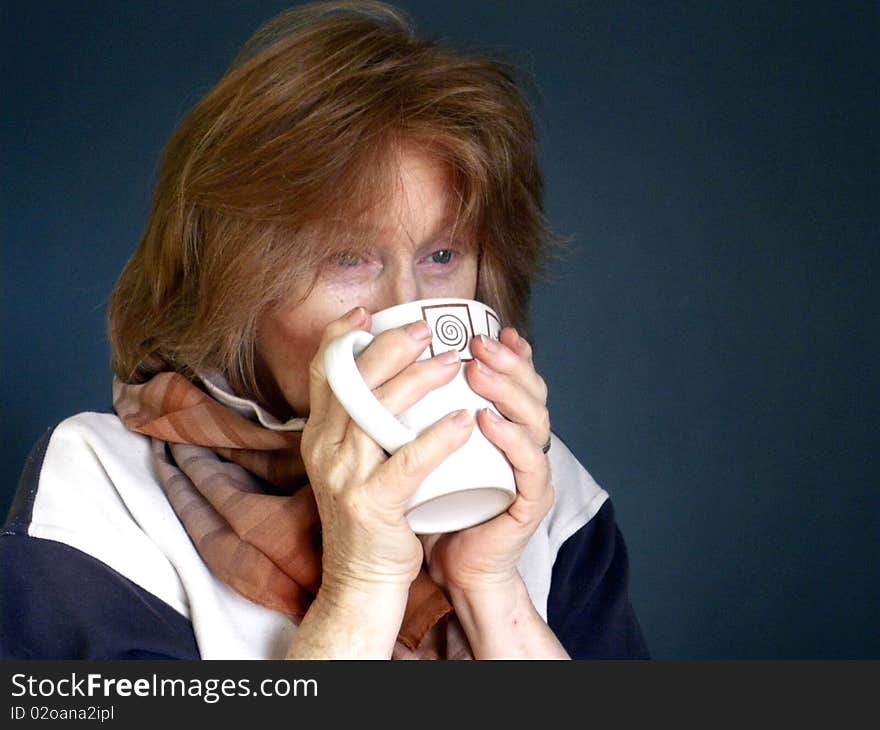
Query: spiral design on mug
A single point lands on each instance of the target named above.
(451, 331)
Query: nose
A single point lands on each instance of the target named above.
(400, 285)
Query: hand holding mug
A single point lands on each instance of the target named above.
(483, 558)
(361, 493)
(476, 482)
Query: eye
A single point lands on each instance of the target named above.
(348, 260)
(444, 256)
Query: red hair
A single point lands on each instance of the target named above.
(297, 139)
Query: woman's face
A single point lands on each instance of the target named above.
(412, 257)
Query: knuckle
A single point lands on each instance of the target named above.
(411, 461)
(320, 457)
(543, 390)
(544, 426)
(327, 477)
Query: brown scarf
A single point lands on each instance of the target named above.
(241, 491)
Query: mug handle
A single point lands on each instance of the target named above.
(356, 397)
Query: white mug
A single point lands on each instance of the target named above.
(476, 482)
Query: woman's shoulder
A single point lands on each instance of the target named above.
(79, 471)
(578, 498)
(82, 441)
(75, 463)
(96, 427)
(89, 493)
(89, 484)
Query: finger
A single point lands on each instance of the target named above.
(417, 380)
(387, 355)
(530, 467)
(392, 351)
(399, 477)
(320, 395)
(516, 342)
(502, 359)
(405, 390)
(511, 399)
(401, 392)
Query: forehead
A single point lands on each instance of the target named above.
(417, 193)
(407, 198)
(388, 229)
(417, 203)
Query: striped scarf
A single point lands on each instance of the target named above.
(242, 494)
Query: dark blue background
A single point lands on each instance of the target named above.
(710, 341)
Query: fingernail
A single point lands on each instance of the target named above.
(448, 358)
(355, 315)
(418, 330)
(462, 419)
(492, 415)
(490, 344)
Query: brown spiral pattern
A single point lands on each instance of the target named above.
(451, 332)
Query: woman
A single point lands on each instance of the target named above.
(229, 507)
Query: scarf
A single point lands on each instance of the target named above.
(241, 492)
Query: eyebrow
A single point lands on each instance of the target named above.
(369, 234)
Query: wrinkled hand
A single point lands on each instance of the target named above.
(484, 557)
(361, 491)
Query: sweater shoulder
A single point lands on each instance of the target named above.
(89, 484)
